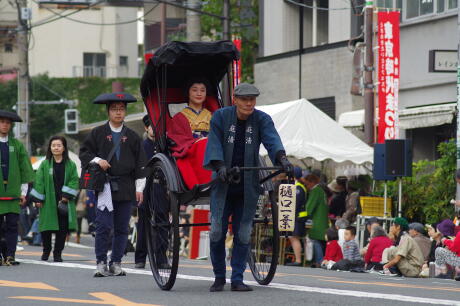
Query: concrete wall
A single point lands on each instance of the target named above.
(59, 45)
(8, 19)
(325, 73)
(418, 86)
(339, 21)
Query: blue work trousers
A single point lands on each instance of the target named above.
(116, 220)
(10, 232)
(233, 207)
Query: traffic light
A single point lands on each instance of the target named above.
(71, 121)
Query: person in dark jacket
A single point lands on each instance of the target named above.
(125, 184)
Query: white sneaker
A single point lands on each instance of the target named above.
(19, 248)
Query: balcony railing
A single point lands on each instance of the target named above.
(100, 71)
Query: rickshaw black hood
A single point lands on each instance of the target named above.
(183, 60)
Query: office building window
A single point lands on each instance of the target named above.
(453, 4)
(123, 61)
(326, 105)
(94, 65)
(8, 48)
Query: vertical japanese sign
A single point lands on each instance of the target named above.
(286, 207)
(388, 75)
(237, 64)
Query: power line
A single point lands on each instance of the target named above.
(321, 8)
(95, 23)
(39, 23)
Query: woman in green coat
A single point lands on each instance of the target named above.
(317, 210)
(56, 182)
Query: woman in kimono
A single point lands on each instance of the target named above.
(188, 131)
(56, 182)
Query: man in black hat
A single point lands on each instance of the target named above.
(126, 179)
(234, 141)
(15, 174)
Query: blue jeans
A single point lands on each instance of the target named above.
(318, 251)
(36, 234)
(140, 254)
(233, 207)
(118, 220)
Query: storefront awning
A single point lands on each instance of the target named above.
(409, 118)
(426, 116)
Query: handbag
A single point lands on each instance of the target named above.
(94, 178)
(63, 209)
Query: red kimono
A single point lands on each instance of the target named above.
(333, 251)
(189, 150)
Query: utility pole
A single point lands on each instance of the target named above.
(301, 14)
(368, 74)
(457, 196)
(226, 20)
(23, 72)
(193, 21)
(163, 24)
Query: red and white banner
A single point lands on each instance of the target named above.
(237, 64)
(388, 75)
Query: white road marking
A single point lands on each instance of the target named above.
(76, 245)
(341, 292)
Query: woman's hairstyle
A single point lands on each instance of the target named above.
(378, 231)
(196, 80)
(65, 154)
(312, 178)
(332, 234)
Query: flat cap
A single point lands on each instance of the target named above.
(108, 98)
(417, 227)
(10, 115)
(246, 90)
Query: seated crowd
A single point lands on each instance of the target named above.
(407, 249)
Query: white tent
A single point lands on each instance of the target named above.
(307, 132)
(72, 156)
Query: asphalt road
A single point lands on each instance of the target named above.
(38, 283)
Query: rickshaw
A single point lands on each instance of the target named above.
(162, 92)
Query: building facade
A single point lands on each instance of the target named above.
(321, 70)
(8, 41)
(99, 41)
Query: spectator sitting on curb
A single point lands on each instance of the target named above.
(351, 257)
(406, 258)
(379, 242)
(449, 255)
(370, 224)
(417, 231)
(333, 250)
(341, 224)
(436, 237)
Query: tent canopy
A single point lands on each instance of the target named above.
(307, 132)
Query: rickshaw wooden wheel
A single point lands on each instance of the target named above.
(264, 252)
(162, 227)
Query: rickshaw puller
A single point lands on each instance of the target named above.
(234, 141)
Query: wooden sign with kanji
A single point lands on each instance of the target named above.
(286, 207)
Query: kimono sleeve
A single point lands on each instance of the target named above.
(27, 173)
(88, 149)
(269, 136)
(38, 192)
(214, 148)
(70, 188)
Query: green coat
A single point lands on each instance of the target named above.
(318, 210)
(19, 172)
(44, 191)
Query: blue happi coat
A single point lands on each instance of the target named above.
(221, 138)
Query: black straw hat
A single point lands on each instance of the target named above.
(10, 115)
(114, 97)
